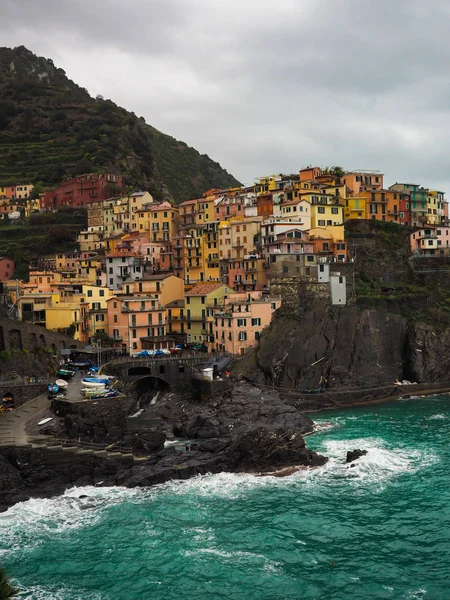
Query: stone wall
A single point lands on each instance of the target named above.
(23, 393)
(103, 420)
(19, 335)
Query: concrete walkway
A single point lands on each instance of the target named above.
(12, 425)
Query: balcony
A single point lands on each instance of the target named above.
(117, 338)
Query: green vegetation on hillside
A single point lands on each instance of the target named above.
(45, 233)
(50, 128)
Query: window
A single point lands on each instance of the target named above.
(101, 292)
(115, 319)
(321, 209)
(256, 321)
(334, 210)
(285, 269)
(134, 333)
(321, 222)
(242, 336)
(241, 322)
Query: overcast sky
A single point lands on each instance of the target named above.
(264, 86)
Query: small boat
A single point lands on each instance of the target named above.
(44, 421)
(66, 373)
(62, 383)
(94, 382)
(105, 394)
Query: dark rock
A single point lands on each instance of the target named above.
(149, 441)
(355, 454)
(10, 476)
(265, 449)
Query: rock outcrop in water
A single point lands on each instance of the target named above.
(354, 455)
(245, 430)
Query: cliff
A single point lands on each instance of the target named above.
(396, 324)
(50, 128)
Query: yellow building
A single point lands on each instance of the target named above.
(175, 317)
(32, 205)
(91, 239)
(94, 311)
(326, 212)
(355, 208)
(335, 232)
(164, 287)
(267, 184)
(160, 222)
(200, 253)
(33, 305)
(64, 315)
(200, 303)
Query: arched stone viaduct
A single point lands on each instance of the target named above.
(176, 372)
(18, 335)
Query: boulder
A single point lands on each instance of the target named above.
(149, 441)
(265, 449)
(354, 455)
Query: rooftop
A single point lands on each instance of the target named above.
(203, 289)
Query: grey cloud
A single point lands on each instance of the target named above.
(264, 86)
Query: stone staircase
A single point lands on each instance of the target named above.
(82, 449)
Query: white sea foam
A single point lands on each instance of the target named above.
(46, 593)
(378, 466)
(27, 524)
(237, 556)
(416, 594)
(437, 417)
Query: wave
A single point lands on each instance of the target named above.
(44, 593)
(27, 524)
(379, 465)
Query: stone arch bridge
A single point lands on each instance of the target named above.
(19, 335)
(174, 372)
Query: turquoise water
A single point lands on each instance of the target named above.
(378, 530)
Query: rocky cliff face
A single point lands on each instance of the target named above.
(348, 346)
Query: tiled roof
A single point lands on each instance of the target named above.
(123, 254)
(203, 289)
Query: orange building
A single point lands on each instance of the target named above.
(358, 181)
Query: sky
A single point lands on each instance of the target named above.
(264, 86)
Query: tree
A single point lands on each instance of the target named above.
(104, 339)
(6, 589)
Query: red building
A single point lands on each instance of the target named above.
(85, 189)
(6, 268)
(264, 203)
(405, 208)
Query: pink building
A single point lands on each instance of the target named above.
(293, 241)
(238, 325)
(432, 240)
(137, 322)
(227, 207)
(6, 268)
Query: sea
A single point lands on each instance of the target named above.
(378, 529)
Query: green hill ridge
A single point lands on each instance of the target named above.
(51, 128)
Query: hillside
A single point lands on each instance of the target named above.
(46, 233)
(50, 128)
(396, 324)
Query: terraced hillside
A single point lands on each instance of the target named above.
(50, 128)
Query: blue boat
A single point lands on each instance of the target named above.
(95, 382)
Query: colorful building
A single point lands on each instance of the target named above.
(137, 322)
(200, 303)
(84, 189)
(241, 319)
(6, 268)
(432, 240)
